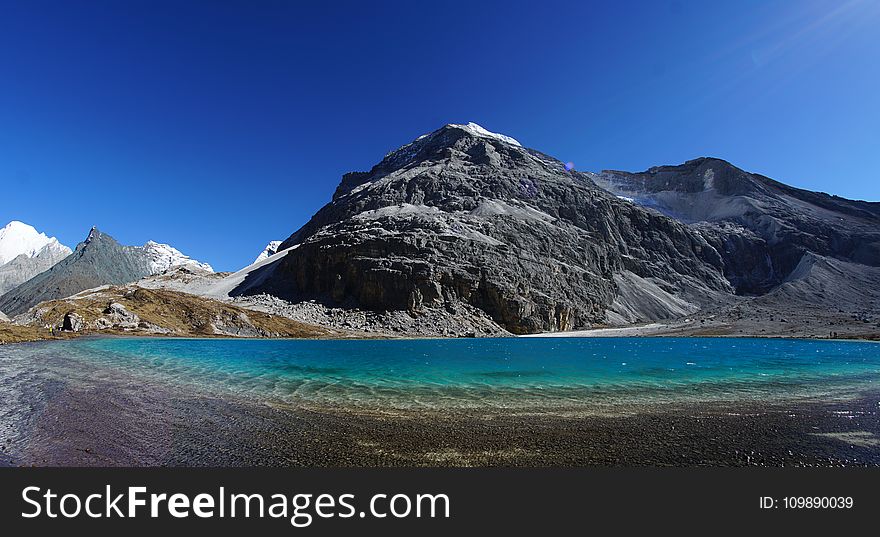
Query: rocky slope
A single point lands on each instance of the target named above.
(762, 227)
(97, 261)
(463, 217)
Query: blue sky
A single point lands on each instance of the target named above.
(219, 126)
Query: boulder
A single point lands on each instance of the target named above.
(120, 317)
(72, 322)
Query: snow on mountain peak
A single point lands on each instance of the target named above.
(163, 256)
(477, 130)
(271, 249)
(18, 238)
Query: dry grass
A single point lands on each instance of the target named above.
(11, 333)
(181, 313)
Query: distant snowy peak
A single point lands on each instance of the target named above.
(163, 256)
(18, 238)
(477, 130)
(270, 250)
(54, 247)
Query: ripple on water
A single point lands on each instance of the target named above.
(464, 373)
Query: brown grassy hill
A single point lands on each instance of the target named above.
(165, 312)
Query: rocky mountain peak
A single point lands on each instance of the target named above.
(452, 169)
(453, 143)
(697, 175)
(95, 235)
(765, 226)
(476, 130)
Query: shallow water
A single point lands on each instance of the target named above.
(508, 373)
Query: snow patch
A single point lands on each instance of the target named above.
(522, 211)
(163, 256)
(270, 249)
(397, 210)
(709, 179)
(477, 130)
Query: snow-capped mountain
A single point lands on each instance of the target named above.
(163, 256)
(271, 249)
(18, 238)
(25, 253)
(98, 260)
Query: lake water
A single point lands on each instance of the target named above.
(511, 372)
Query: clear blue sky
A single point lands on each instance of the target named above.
(219, 126)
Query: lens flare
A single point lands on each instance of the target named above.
(569, 166)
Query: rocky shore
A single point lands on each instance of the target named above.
(157, 427)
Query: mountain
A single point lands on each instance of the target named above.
(24, 253)
(463, 217)
(270, 250)
(97, 261)
(763, 227)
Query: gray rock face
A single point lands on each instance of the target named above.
(99, 260)
(761, 227)
(456, 218)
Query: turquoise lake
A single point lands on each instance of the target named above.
(511, 372)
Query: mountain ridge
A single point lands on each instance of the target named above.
(97, 261)
(787, 222)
